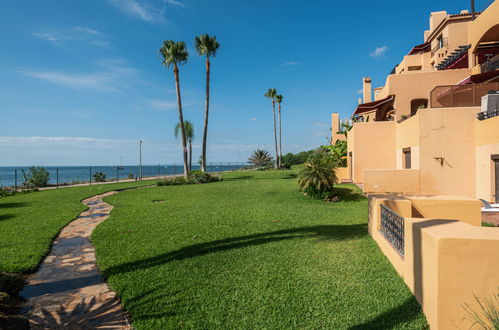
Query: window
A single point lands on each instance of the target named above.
(440, 41)
(414, 68)
(417, 104)
(407, 157)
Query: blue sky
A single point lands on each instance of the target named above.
(81, 81)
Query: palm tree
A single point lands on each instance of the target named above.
(318, 172)
(278, 99)
(175, 53)
(207, 46)
(189, 135)
(260, 158)
(271, 94)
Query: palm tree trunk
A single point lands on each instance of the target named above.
(181, 119)
(280, 136)
(275, 137)
(206, 110)
(190, 155)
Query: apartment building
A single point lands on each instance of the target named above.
(429, 130)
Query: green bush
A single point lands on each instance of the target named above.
(317, 177)
(100, 177)
(295, 159)
(195, 177)
(36, 177)
(202, 177)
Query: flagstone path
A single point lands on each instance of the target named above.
(68, 290)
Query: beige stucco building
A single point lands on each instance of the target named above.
(426, 130)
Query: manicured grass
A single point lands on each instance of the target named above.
(29, 222)
(250, 252)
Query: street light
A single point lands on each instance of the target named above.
(140, 160)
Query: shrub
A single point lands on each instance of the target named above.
(202, 177)
(36, 177)
(131, 176)
(317, 176)
(195, 177)
(260, 158)
(487, 314)
(100, 177)
(295, 159)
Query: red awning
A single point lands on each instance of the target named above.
(479, 78)
(423, 48)
(361, 108)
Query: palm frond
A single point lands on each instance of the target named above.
(173, 52)
(206, 45)
(271, 93)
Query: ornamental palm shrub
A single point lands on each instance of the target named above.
(100, 177)
(36, 177)
(317, 177)
(260, 158)
(487, 315)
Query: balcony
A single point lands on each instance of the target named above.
(440, 44)
(469, 95)
(490, 65)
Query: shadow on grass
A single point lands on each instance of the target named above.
(12, 205)
(404, 313)
(242, 177)
(6, 216)
(348, 195)
(322, 233)
(290, 176)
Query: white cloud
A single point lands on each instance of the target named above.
(379, 51)
(87, 30)
(174, 3)
(112, 78)
(77, 33)
(360, 91)
(141, 9)
(290, 63)
(162, 104)
(253, 118)
(47, 36)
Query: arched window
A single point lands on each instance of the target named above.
(417, 104)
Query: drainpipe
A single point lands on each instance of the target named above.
(472, 10)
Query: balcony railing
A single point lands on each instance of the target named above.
(491, 65)
(392, 227)
(439, 45)
(469, 95)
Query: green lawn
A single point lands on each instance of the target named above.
(250, 252)
(29, 222)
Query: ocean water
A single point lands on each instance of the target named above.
(81, 174)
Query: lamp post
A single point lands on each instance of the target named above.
(140, 160)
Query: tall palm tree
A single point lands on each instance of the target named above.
(175, 53)
(206, 46)
(189, 135)
(278, 99)
(271, 94)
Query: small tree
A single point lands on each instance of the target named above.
(100, 177)
(36, 177)
(317, 177)
(260, 158)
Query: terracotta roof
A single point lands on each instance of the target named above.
(361, 108)
(423, 48)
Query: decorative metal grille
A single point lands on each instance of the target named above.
(392, 227)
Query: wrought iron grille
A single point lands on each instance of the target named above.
(392, 227)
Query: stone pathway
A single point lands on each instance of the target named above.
(68, 291)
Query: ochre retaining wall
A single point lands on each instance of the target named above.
(446, 261)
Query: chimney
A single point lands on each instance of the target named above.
(366, 87)
(360, 100)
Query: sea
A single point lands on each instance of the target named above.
(82, 174)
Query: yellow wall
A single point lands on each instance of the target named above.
(407, 135)
(487, 144)
(335, 128)
(342, 173)
(391, 181)
(373, 147)
(447, 133)
(445, 262)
